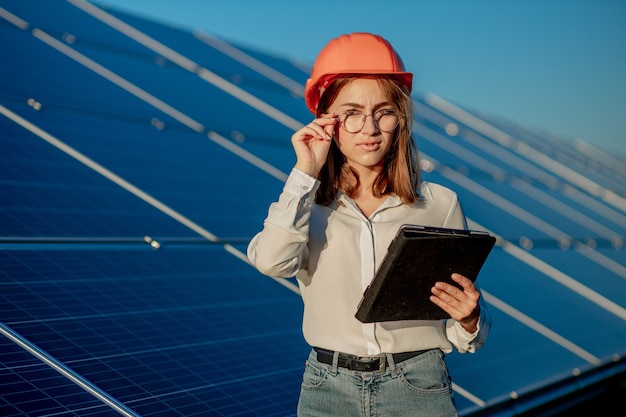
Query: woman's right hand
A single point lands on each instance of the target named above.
(312, 142)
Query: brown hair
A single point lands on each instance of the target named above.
(400, 174)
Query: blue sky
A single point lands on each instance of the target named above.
(558, 65)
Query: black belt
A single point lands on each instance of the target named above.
(362, 363)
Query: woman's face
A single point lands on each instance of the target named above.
(366, 149)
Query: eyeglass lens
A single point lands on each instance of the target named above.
(353, 121)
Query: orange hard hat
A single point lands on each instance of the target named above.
(356, 53)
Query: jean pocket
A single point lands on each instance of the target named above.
(314, 376)
(426, 373)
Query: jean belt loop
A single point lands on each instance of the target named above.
(390, 363)
(335, 364)
(384, 361)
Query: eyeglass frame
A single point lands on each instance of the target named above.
(376, 120)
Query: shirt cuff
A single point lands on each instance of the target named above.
(300, 183)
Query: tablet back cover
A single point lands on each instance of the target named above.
(417, 258)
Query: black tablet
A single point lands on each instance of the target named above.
(418, 257)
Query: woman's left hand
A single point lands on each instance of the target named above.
(462, 305)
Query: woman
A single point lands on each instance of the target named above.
(354, 183)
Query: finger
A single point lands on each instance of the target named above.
(320, 127)
(466, 284)
(439, 302)
(328, 117)
(328, 123)
(453, 308)
(455, 297)
(456, 309)
(450, 290)
(330, 130)
(445, 293)
(310, 131)
(462, 280)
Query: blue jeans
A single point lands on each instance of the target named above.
(419, 386)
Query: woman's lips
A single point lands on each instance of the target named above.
(369, 146)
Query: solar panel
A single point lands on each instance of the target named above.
(139, 159)
(152, 327)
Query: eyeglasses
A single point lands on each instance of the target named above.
(353, 121)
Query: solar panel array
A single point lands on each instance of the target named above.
(138, 160)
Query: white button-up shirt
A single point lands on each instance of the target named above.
(334, 252)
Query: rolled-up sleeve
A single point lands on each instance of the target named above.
(279, 249)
